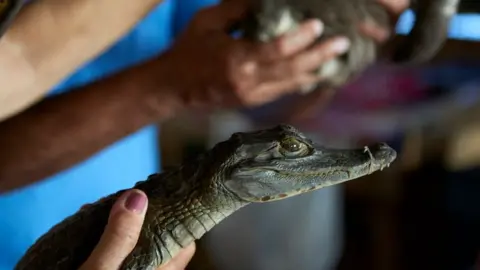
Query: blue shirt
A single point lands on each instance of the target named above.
(30, 212)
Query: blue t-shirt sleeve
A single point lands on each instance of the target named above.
(185, 10)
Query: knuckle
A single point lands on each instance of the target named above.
(242, 76)
(247, 69)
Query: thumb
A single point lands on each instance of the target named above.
(121, 233)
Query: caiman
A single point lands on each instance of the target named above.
(268, 19)
(188, 201)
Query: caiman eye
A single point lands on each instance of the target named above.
(291, 147)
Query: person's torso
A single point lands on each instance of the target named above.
(31, 211)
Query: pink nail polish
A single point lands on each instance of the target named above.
(136, 202)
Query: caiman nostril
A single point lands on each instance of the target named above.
(381, 151)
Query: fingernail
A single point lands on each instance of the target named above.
(136, 202)
(341, 45)
(317, 26)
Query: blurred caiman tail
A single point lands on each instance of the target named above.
(431, 28)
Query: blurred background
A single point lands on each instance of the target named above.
(421, 213)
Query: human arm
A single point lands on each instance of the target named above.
(121, 235)
(62, 130)
(51, 38)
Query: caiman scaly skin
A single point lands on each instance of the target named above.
(188, 201)
(269, 19)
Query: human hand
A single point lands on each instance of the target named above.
(209, 68)
(302, 108)
(121, 236)
(381, 33)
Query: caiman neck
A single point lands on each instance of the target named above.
(192, 209)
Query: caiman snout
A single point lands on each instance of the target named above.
(381, 155)
(383, 152)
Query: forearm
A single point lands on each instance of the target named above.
(51, 38)
(61, 131)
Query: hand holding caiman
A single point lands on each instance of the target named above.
(188, 201)
(268, 19)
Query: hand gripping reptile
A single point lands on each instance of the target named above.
(269, 19)
(188, 201)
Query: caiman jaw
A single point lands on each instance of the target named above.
(384, 157)
(272, 179)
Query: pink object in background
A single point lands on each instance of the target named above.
(380, 87)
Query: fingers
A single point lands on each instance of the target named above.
(264, 72)
(395, 7)
(382, 33)
(304, 62)
(373, 30)
(180, 261)
(288, 56)
(121, 233)
(290, 43)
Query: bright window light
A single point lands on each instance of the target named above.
(465, 26)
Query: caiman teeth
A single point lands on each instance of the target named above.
(367, 150)
(384, 166)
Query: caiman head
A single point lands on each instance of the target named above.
(281, 162)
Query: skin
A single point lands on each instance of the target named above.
(33, 59)
(121, 235)
(314, 103)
